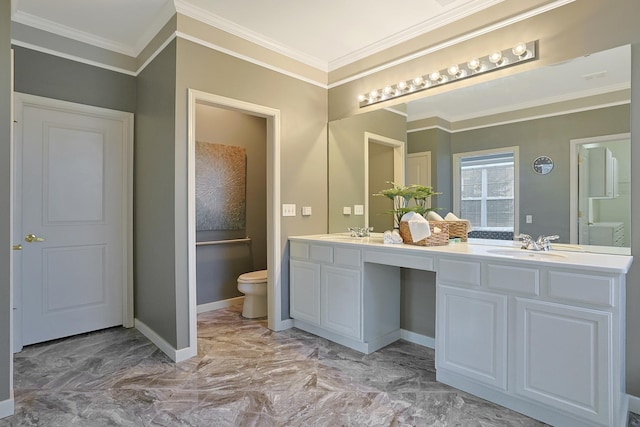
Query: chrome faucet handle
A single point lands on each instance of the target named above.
(527, 240)
(544, 242)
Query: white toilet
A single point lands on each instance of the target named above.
(254, 287)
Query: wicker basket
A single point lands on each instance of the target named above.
(436, 239)
(457, 229)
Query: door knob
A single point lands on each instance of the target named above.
(33, 238)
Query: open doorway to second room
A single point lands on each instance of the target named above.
(234, 223)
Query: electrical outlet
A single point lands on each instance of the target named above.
(306, 210)
(288, 209)
(358, 209)
(529, 219)
(346, 210)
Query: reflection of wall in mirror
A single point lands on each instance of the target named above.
(545, 197)
(346, 161)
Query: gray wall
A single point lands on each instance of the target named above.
(438, 142)
(380, 172)
(5, 193)
(303, 163)
(58, 78)
(546, 197)
(218, 266)
(633, 278)
(154, 218)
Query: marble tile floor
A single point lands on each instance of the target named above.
(244, 375)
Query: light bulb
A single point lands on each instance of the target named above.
(473, 64)
(418, 81)
(374, 94)
(435, 76)
(361, 98)
(402, 85)
(387, 90)
(495, 57)
(519, 49)
(453, 70)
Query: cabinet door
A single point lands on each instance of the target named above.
(563, 358)
(305, 291)
(341, 292)
(471, 334)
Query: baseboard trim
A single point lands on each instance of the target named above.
(165, 347)
(634, 404)
(422, 340)
(217, 305)
(6, 408)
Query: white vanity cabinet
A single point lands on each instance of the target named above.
(540, 333)
(326, 288)
(544, 340)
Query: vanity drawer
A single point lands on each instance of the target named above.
(347, 257)
(582, 288)
(299, 250)
(400, 260)
(463, 272)
(525, 281)
(321, 253)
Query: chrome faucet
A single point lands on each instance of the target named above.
(542, 244)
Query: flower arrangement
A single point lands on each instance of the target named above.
(401, 197)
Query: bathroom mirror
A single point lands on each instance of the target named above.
(540, 111)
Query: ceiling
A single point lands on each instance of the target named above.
(326, 34)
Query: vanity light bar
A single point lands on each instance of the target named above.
(521, 52)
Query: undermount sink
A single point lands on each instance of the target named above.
(525, 254)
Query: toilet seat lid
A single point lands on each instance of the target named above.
(253, 277)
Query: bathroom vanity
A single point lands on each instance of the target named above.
(539, 332)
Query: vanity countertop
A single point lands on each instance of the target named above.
(571, 256)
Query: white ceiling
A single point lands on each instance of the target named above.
(326, 34)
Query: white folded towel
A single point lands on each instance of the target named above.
(392, 237)
(418, 226)
(452, 217)
(433, 216)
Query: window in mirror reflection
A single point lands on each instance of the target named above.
(485, 191)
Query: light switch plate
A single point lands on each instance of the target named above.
(529, 219)
(346, 210)
(358, 209)
(306, 210)
(288, 209)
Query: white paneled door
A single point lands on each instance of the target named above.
(72, 179)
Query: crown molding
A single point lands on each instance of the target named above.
(153, 28)
(223, 24)
(432, 24)
(71, 33)
(467, 36)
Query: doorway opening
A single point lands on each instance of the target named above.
(273, 248)
(600, 190)
(384, 161)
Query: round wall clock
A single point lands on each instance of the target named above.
(543, 165)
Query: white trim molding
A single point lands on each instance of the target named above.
(274, 249)
(419, 339)
(217, 305)
(165, 347)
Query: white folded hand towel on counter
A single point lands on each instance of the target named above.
(433, 216)
(392, 237)
(418, 226)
